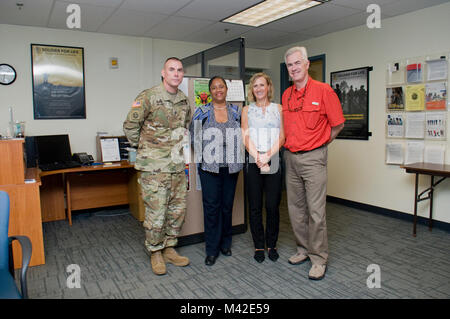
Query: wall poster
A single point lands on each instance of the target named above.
(58, 82)
(352, 89)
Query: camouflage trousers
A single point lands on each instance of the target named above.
(164, 196)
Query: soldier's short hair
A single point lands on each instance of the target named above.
(173, 58)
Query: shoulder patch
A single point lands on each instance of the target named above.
(137, 104)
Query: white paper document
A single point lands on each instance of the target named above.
(434, 154)
(184, 86)
(414, 152)
(437, 70)
(394, 153)
(235, 90)
(415, 125)
(110, 149)
(395, 125)
(436, 125)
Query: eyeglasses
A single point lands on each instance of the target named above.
(293, 106)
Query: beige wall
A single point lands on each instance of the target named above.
(357, 169)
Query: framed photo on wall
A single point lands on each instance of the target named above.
(58, 82)
(352, 89)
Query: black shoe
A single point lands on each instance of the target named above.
(259, 256)
(273, 254)
(210, 260)
(225, 251)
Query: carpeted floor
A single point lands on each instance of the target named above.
(107, 245)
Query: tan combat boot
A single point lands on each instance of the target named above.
(158, 264)
(171, 256)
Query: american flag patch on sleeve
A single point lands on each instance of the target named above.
(136, 104)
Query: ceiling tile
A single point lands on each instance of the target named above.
(177, 28)
(91, 16)
(129, 22)
(262, 38)
(360, 4)
(280, 41)
(405, 6)
(310, 17)
(215, 9)
(155, 6)
(216, 33)
(101, 3)
(33, 12)
(337, 25)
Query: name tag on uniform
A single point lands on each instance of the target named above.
(315, 103)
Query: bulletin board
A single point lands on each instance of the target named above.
(417, 109)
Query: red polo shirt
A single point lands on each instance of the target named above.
(310, 127)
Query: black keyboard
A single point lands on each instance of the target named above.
(59, 165)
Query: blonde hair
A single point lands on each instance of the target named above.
(250, 95)
(302, 50)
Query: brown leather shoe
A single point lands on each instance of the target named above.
(171, 256)
(158, 264)
(298, 259)
(317, 272)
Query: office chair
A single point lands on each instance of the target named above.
(8, 287)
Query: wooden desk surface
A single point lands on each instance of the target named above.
(428, 168)
(118, 165)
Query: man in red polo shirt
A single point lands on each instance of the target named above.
(312, 117)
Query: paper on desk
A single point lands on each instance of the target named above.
(110, 149)
(414, 152)
(434, 154)
(394, 153)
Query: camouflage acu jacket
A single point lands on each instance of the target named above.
(156, 124)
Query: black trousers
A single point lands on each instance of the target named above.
(218, 196)
(258, 186)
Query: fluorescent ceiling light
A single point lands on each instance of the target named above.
(270, 10)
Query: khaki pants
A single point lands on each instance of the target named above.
(306, 184)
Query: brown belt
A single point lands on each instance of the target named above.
(303, 152)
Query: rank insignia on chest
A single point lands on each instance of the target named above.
(159, 102)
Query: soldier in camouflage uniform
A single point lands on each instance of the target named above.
(157, 124)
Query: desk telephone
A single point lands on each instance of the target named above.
(83, 158)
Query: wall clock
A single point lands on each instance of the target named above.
(7, 74)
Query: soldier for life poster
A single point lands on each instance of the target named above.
(58, 82)
(352, 89)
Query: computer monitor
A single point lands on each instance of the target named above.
(53, 148)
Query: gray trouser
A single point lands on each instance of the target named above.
(306, 184)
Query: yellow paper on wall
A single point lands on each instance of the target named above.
(415, 97)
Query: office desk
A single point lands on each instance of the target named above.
(433, 170)
(83, 188)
